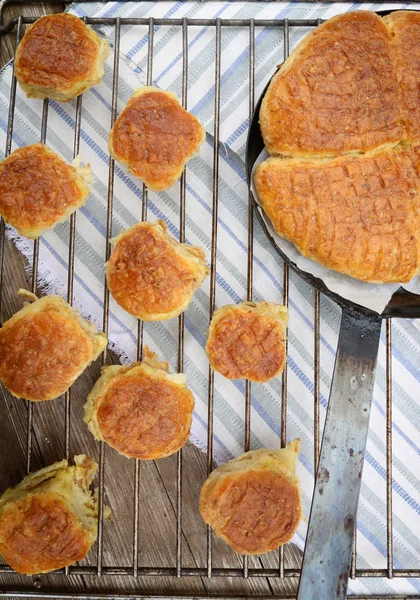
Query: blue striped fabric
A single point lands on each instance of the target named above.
(231, 260)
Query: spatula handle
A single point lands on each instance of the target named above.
(326, 562)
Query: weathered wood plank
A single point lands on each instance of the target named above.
(7, 45)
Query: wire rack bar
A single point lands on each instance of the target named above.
(250, 259)
(70, 277)
(61, 596)
(178, 570)
(317, 362)
(250, 253)
(178, 22)
(140, 330)
(317, 336)
(9, 136)
(106, 291)
(181, 330)
(140, 327)
(213, 268)
(283, 419)
(216, 572)
(140, 324)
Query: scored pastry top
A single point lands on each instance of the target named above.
(359, 215)
(141, 411)
(341, 118)
(349, 85)
(38, 189)
(253, 502)
(155, 137)
(50, 519)
(60, 57)
(152, 275)
(45, 346)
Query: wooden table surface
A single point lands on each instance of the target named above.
(157, 520)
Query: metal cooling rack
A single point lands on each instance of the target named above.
(179, 570)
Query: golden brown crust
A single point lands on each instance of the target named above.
(155, 137)
(248, 340)
(40, 534)
(253, 502)
(404, 26)
(59, 57)
(141, 410)
(336, 92)
(38, 189)
(151, 275)
(49, 520)
(45, 347)
(358, 215)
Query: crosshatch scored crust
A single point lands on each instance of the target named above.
(152, 275)
(142, 411)
(44, 348)
(358, 215)
(350, 87)
(38, 189)
(49, 520)
(248, 340)
(337, 92)
(60, 57)
(253, 502)
(155, 137)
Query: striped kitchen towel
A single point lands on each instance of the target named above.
(231, 258)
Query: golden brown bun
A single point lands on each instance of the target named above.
(155, 137)
(336, 92)
(49, 520)
(248, 340)
(404, 26)
(44, 348)
(357, 215)
(151, 275)
(141, 410)
(60, 57)
(253, 502)
(38, 189)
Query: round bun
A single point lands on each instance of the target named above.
(151, 275)
(253, 502)
(44, 347)
(38, 189)
(141, 410)
(155, 137)
(49, 520)
(248, 340)
(60, 57)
